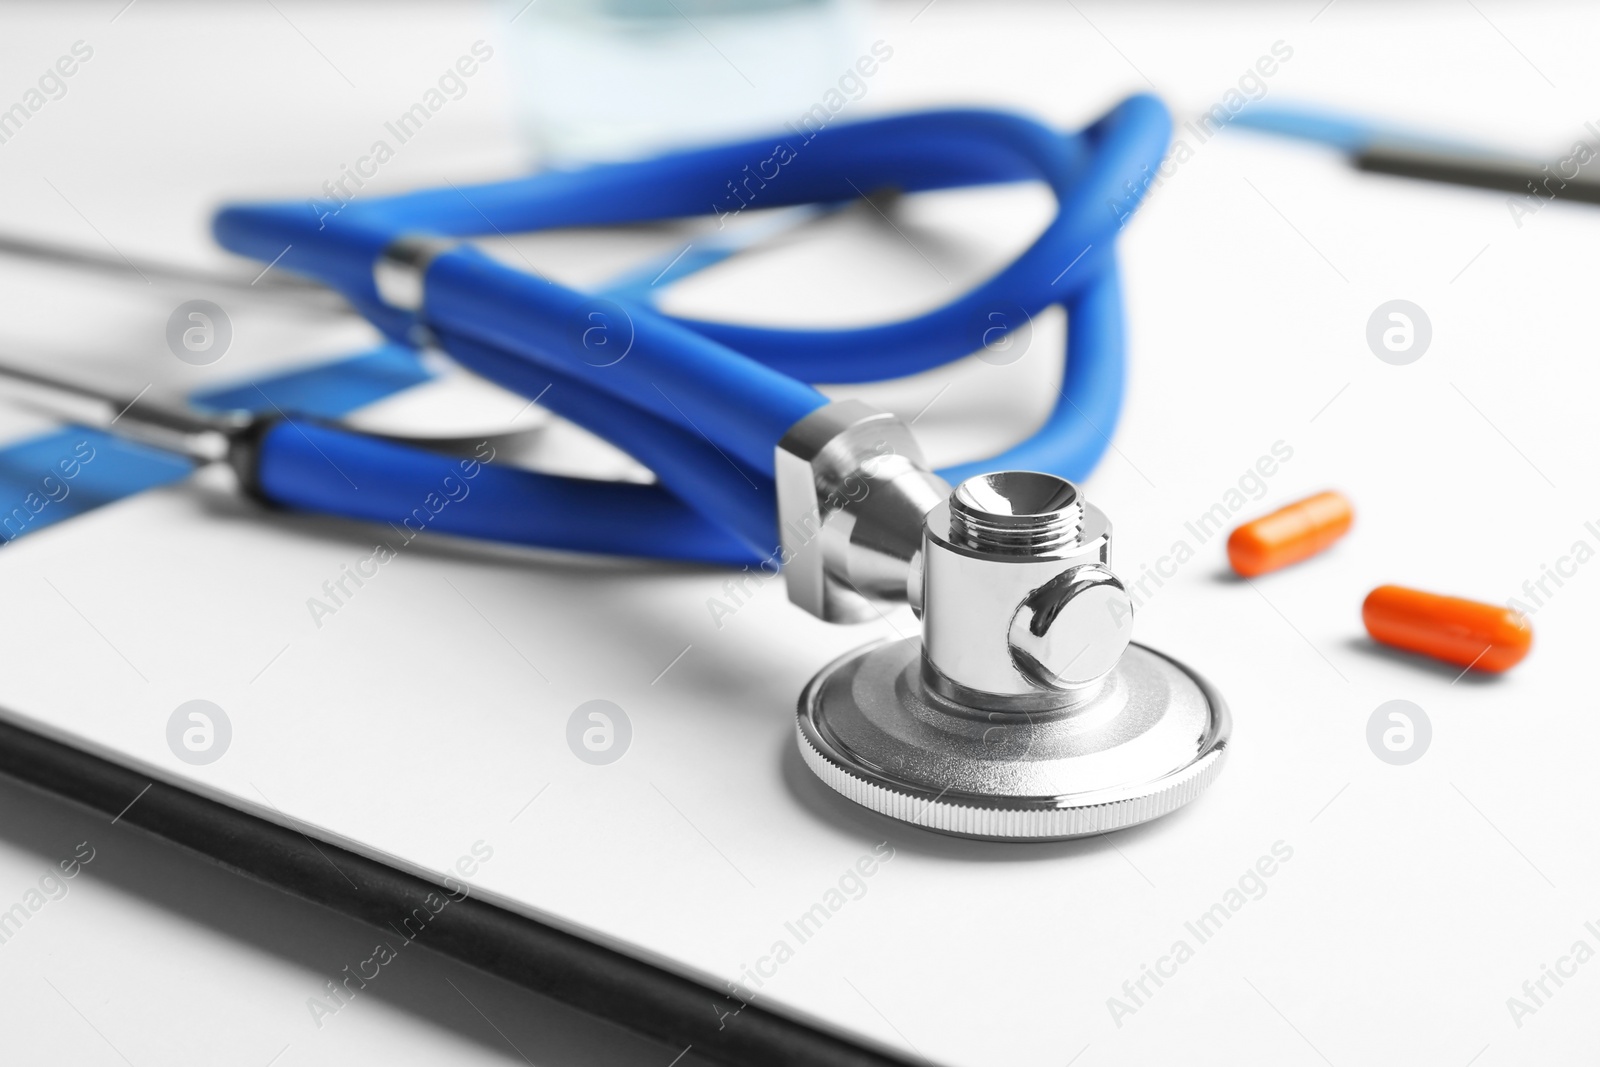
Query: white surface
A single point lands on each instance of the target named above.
(427, 713)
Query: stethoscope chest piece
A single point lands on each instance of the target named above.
(1023, 712)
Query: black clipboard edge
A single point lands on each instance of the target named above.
(591, 978)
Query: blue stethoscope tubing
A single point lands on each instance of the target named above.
(703, 404)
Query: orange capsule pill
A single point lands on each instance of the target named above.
(1485, 637)
(1289, 534)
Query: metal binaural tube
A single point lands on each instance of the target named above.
(201, 437)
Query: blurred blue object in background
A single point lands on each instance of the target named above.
(601, 80)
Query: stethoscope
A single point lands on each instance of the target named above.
(704, 404)
(1023, 710)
